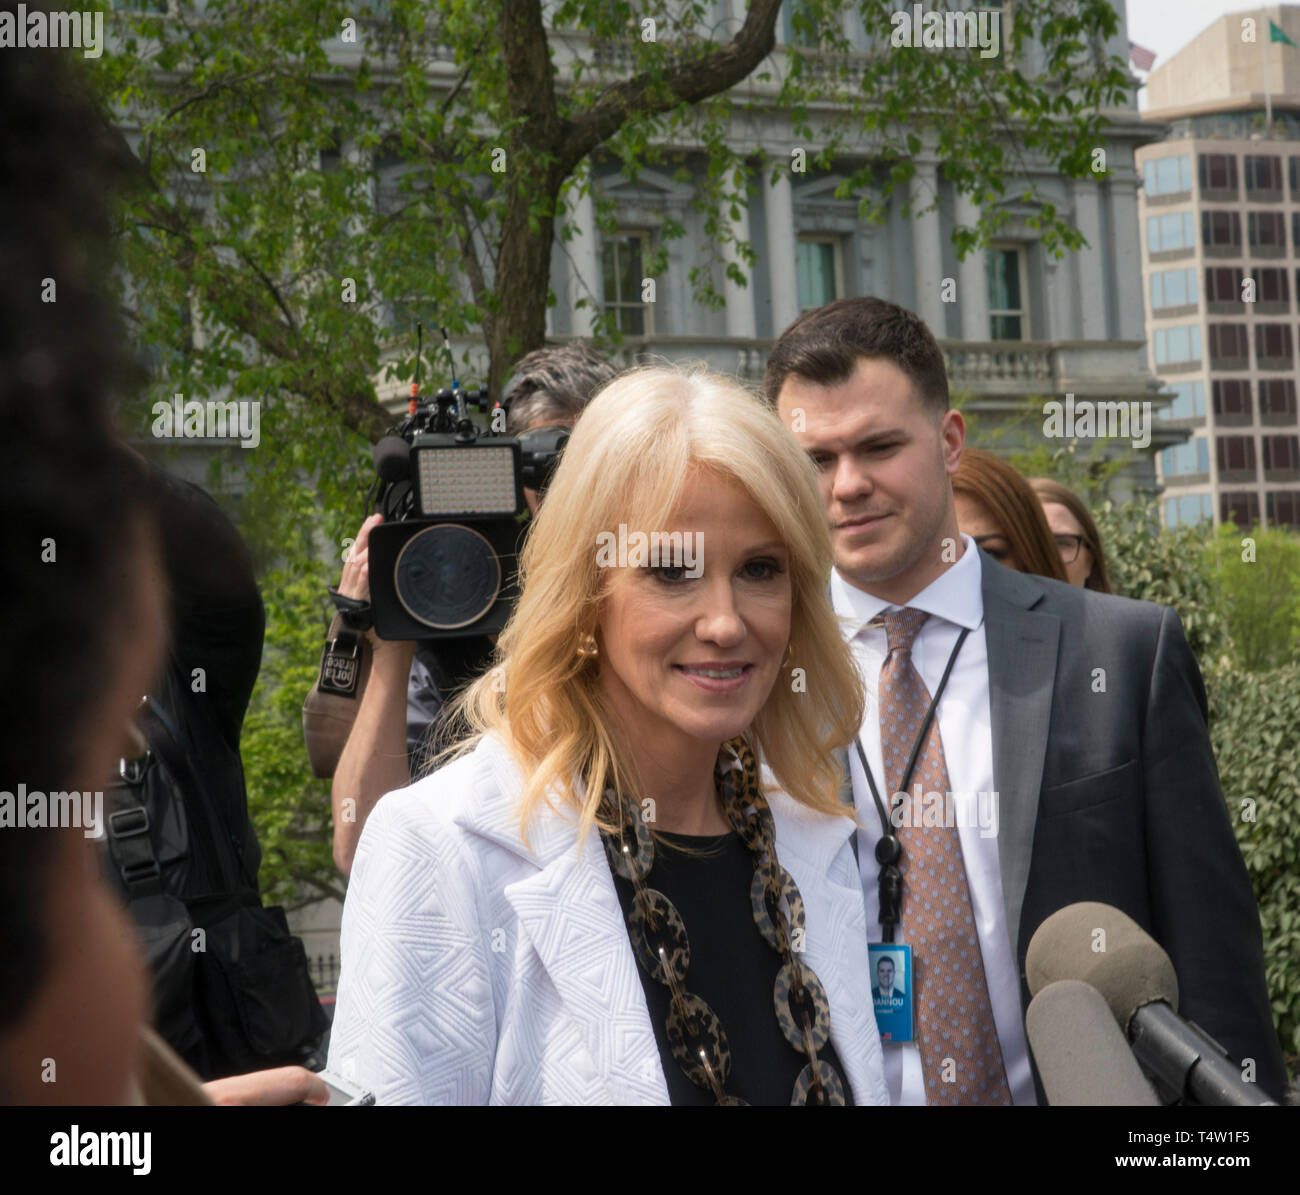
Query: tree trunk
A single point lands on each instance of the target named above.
(522, 277)
(534, 174)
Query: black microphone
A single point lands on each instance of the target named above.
(1083, 1058)
(1101, 946)
(392, 457)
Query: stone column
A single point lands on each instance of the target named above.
(1090, 266)
(1126, 257)
(739, 299)
(782, 255)
(584, 265)
(927, 255)
(972, 281)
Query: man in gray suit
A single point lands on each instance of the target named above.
(1084, 714)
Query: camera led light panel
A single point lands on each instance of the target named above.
(466, 480)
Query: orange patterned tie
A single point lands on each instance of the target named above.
(960, 1055)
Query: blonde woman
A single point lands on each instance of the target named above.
(595, 902)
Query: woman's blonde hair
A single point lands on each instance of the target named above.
(629, 457)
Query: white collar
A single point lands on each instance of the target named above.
(955, 595)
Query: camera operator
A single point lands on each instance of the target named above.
(394, 733)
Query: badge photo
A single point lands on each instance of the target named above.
(891, 990)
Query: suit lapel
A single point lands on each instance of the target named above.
(1022, 649)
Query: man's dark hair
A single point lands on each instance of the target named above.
(824, 346)
(74, 502)
(554, 385)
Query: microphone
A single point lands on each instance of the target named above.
(392, 457)
(1101, 946)
(1083, 1059)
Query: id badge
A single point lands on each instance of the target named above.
(891, 990)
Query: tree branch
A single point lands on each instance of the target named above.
(450, 97)
(213, 88)
(646, 95)
(273, 290)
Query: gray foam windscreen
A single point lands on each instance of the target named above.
(1082, 1057)
(1107, 949)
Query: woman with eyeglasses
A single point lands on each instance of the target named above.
(997, 508)
(1075, 534)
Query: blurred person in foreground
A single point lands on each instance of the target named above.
(998, 510)
(1075, 533)
(577, 884)
(85, 596)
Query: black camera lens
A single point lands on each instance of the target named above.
(447, 576)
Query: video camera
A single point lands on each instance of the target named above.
(444, 562)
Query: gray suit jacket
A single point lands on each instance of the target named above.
(1114, 795)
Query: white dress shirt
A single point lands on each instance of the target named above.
(954, 600)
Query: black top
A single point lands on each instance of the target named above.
(732, 969)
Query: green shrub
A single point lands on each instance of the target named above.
(1257, 575)
(1156, 564)
(1254, 717)
(290, 808)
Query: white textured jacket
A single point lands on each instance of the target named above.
(476, 971)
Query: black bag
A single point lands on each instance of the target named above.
(233, 992)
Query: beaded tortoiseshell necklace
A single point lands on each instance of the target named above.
(695, 1035)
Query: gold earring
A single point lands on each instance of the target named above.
(587, 646)
(789, 656)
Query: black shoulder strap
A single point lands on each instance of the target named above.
(129, 841)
